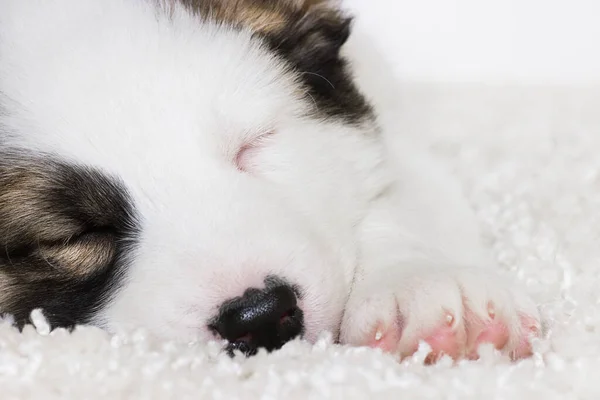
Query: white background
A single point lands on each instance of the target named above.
(539, 41)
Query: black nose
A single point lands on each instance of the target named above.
(261, 318)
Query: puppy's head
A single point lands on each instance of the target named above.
(196, 168)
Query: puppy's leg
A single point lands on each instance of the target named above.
(425, 275)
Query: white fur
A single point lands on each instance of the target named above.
(165, 105)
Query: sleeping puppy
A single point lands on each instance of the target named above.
(216, 169)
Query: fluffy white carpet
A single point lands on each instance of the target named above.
(529, 160)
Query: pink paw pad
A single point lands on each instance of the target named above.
(494, 332)
(444, 341)
(490, 330)
(457, 343)
(385, 338)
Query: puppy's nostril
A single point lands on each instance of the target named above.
(260, 318)
(242, 346)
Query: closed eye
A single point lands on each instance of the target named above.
(245, 159)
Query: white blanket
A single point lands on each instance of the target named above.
(529, 161)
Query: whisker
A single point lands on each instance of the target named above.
(8, 255)
(320, 76)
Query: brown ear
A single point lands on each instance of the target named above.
(311, 41)
(316, 32)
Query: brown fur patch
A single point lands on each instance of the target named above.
(42, 214)
(62, 229)
(262, 16)
(24, 206)
(34, 213)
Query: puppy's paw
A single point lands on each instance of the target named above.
(453, 310)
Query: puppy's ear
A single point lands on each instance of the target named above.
(311, 41)
(316, 29)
